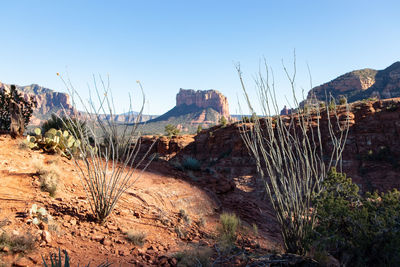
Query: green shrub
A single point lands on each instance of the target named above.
(171, 130)
(227, 231)
(49, 181)
(194, 257)
(343, 100)
(223, 121)
(27, 107)
(190, 163)
(199, 129)
(358, 231)
(64, 124)
(136, 238)
(332, 105)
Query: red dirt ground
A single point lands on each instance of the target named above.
(151, 206)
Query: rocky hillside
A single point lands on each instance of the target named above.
(371, 156)
(49, 102)
(193, 108)
(362, 84)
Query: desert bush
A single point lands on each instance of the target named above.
(62, 123)
(199, 129)
(48, 177)
(171, 130)
(227, 230)
(190, 163)
(183, 214)
(49, 182)
(108, 159)
(357, 230)
(20, 243)
(223, 121)
(290, 157)
(199, 257)
(343, 100)
(180, 232)
(136, 238)
(27, 106)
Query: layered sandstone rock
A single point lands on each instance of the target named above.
(204, 99)
(362, 84)
(371, 157)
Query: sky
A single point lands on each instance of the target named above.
(169, 45)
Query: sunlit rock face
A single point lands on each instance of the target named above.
(204, 99)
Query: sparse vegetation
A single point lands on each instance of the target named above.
(357, 230)
(290, 158)
(194, 257)
(17, 243)
(183, 214)
(190, 163)
(332, 105)
(199, 129)
(343, 100)
(48, 177)
(223, 121)
(180, 232)
(107, 159)
(136, 238)
(227, 230)
(171, 130)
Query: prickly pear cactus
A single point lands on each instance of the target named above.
(54, 141)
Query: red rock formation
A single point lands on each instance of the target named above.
(48, 101)
(371, 156)
(204, 99)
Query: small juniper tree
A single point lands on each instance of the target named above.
(27, 107)
(171, 130)
(223, 121)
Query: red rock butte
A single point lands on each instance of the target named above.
(204, 99)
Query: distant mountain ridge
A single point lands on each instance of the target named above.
(50, 101)
(361, 84)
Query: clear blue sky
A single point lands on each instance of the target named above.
(169, 45)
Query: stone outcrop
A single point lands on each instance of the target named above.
(371, 156)
(362, 84)
(204, 99)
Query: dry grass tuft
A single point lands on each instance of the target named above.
(136, 238)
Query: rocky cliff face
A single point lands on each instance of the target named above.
(48, 101)
(371, 157)
(362, 84)
(204, 99)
